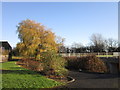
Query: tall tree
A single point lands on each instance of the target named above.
(35, 38)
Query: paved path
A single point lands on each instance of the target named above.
(90, 80)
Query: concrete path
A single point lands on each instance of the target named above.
(92, 80)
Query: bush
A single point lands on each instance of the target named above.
(50, 64)
(89, 63)
(72, 62)
(53, 64)
(94, 64)
(31, 64)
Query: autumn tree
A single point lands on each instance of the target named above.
(39, 42)
(35, 39)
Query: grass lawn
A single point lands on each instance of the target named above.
(16, 57)
(14, 76)
(104, 55)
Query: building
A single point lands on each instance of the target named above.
(5, 51)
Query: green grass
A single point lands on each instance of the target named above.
(16, 57)
(104, 55)
(14, 76)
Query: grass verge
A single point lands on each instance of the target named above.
(14, 76)
(104, 55)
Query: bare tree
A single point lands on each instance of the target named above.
(112, 44)
(106, 46)
(60, 40)
(77, 45)
(97, 42)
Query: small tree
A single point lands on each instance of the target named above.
(54, 64)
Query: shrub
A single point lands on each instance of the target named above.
(31, 64)
(53, 64)
(89, 63)
(50, 64)
(94, 64)
(72, 62)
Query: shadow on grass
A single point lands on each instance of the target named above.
(16, 68)
(18, 72)
(14, 60)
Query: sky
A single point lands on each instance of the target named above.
(74, 21)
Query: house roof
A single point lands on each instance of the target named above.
(6, 45)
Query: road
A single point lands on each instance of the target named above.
(92, 80)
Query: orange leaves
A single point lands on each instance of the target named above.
(33, 34)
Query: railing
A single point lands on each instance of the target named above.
(110, 54)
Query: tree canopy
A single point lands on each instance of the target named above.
(35, 38)
(38, 42)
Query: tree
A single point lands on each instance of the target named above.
(118, 49)
(77, 47)
(60, 42)
(97, 42)
(35, 39)
(62, 49)
(112, 44)
(39, 42)
(15, 51)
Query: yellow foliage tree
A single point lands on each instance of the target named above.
(35, 39)
(39, 42)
